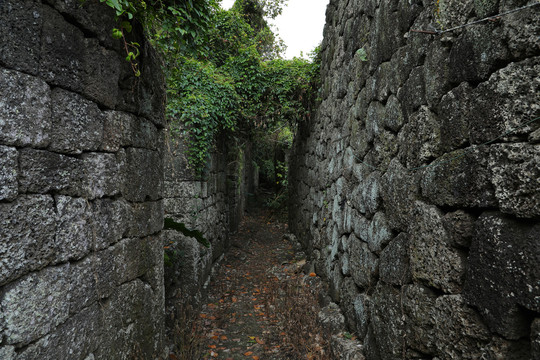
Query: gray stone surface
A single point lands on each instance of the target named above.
(394, 261)
(516, 178)
(364, 264)
(27, 235)
(74, 230)
(9, 163)
(506, 250)
(143, 174)
(25, 110)
(77, 124)
(429, 133)
(43, 171)
(81, 263)
(35, 305)
(388, 321)
(346, 349)
(331, 319)
(21, 34)
(105, 174)
(431, 259)
(460, 178)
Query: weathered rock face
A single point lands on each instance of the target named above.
(81, 187)
(416, 187)
(212, 204)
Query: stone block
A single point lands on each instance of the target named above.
(364, 264)
(413, 92)
(500, 348)
(35, 305)
(132, 309)
(476, 53)
(432, 260)
(459, 331)
(27, 235)
(459, 226)
(331, 319)
(379, 233)
(418, 307)
(92, 17)
(503, 273)
(423, 126)
(73, 339)
(9, 187)
(374, 120)
(460, 178)
(436, 73)
(144, 175)
(393, 117)
(518, 28)
(62, 53)
(349, 292)
(346, 349)
(455, 116)
(104, 174)
(21, 35)
(77, 123)
(74, 230)
(366, 197)
(117, 130)
(146, 135)
(147, 218)
(516, 178)
(400, 190)
(8, 353)
(394, 261)
(505, 103)
(111, 220)
(387, 321)
(101, 73)
(43, 171)
(361, 306)
(25, 109)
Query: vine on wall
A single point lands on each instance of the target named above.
(223, 68)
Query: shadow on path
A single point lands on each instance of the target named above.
(252, 303)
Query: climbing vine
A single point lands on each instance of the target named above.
(223, 68)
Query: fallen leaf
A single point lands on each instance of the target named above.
(223, 337)
(248, 353)
(212, 346)
(255, 357)
(259, 341)
(312, 274)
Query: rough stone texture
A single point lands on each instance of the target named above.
(415, 187)
(9, 164)
(81, 183)
(507, 250)
(212, 204)
(25, 109)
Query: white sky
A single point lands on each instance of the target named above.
(300, 25)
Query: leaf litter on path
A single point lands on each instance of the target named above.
(241, 319)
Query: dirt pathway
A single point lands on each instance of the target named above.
(244, 315)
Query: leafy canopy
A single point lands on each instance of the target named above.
(224, 70)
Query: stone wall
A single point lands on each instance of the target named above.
(213, 204)
(81, 182)
(416, 188)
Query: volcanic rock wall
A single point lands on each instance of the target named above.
(212, 203)
(81, 183)
(416, 189)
